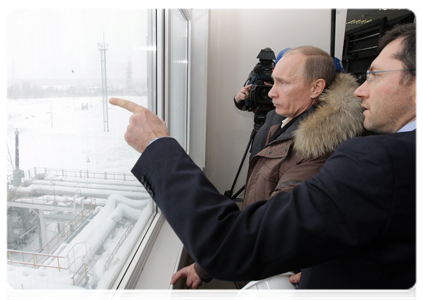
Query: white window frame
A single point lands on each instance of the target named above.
(167, 72)
(133, 268)
(158, 88)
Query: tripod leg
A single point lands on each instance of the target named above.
(250, 143)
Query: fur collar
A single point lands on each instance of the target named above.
(338, 118)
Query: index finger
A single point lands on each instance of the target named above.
(126, 104)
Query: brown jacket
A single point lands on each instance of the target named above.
(299, 153)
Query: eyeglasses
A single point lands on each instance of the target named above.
(370, 75)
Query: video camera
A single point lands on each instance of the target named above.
(259, 100)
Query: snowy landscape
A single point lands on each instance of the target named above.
(67, 135)
(58, 133)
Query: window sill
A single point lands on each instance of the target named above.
(153, 267)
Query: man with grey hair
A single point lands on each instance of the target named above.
(320, 112)
(352, 226)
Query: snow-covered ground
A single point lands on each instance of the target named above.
(68, 133)
(58, 133)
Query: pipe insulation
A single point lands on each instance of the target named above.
(104, 186)
(87, 192)
(93, 180)
(99, 228)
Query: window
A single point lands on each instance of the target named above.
(178, 89)
(75, 211)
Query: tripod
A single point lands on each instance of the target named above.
(259, 118)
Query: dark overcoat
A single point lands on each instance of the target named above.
(353, 226)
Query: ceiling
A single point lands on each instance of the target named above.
(365, 15)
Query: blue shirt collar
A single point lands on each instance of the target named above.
(408, 127)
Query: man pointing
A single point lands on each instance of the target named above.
(143, 126)
(352, 226)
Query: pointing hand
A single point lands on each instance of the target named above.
(143, 125)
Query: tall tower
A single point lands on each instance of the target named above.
(17, 173)
(103, 47)
(8, 163)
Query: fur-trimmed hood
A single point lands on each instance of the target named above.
(336, 119)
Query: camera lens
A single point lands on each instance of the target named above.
(262, 95)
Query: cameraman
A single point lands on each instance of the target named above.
(315, 110)
(271, 118)
(244, 93)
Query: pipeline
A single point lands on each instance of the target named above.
(84, 184)
(41, 189)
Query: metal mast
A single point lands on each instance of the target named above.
(103, 47)
(8, 163)
(17, 173)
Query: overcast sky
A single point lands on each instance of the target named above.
(63, 43)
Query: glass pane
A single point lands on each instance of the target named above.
(74, 209)
(178, 96)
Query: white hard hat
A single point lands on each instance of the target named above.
(272, 288)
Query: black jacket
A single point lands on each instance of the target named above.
(353, 226)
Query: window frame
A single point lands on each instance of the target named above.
(133, 267)
(128, 274)
(142, 243)
(167, 48)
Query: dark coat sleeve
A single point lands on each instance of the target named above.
(291, 230)
(240, 105)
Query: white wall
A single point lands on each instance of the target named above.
(235, 39)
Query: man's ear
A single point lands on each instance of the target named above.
(318, 87)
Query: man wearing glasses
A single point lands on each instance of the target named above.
(353, 226)
(389, 93)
